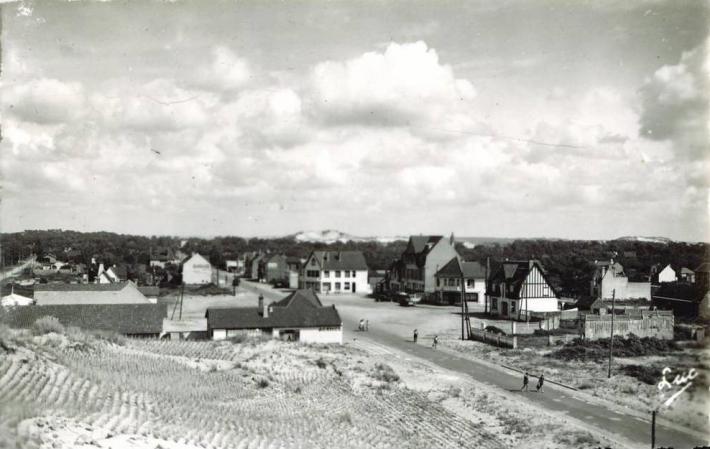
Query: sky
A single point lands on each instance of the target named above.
(564, 119)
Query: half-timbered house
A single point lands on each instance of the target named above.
(518, 288)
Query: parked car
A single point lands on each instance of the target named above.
(404, 299)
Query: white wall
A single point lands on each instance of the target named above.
(197, 271)
(316, 335)
(667, 275)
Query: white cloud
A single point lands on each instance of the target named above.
(224, 73)
(404, 84)
(675, 101)
(44, 101)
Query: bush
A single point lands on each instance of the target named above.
(647, 374)
(47, 324)
(320, 363)
(385, 373)
(262, 383)
(632, 346)
(495, 330)
(110, 336)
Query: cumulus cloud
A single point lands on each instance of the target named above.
(44, 100)
(406, 83)
(225, 72)
(674, 104)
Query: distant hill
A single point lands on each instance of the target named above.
(330, 236)
(636, 238)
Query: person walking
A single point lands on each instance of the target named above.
(416, 334)
(540, 382)
(435, 342)
(525, 382)
(361, 325)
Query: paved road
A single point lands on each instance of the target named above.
(630, 427)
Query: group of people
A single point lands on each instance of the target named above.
(364, 325)
(540, 382)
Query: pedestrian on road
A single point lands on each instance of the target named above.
(540, 382)
(435, 342)
(525, 382)
(361, 325)
(416, 334)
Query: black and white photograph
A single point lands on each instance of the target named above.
(356, 224)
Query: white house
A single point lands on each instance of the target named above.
(667, 274)
(196, 270)
(335, 272)
(298, 317)
(456, 272)
(610, 279)
(518, 287)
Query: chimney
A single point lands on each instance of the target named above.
(261, 304)
(266, 310)
(451, 239)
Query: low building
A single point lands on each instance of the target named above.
(298, 317)
(196, 270)
(450, 277)
(335, 272)
(644, 323)
(133, 320)
(516, 288)
(610, 279)
(687, 275)
(604, 306)
(274, 269)
(114, 293)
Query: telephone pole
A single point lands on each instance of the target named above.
(611, 338)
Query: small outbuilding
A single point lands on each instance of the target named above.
(298, 317)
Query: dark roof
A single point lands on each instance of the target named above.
(341, 260)
(301, 308)
(470, 269)
(703, 268)
(149, 290)
(514, 272)
(423, 242)
(61, 287)
(121, 318)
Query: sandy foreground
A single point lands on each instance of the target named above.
(61, 393)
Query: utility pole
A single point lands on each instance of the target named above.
(653, 429)
(463, 303)
(611, 338)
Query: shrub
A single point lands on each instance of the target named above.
(495, 330)
(647, 374)
(385, 373)
(6, 339)
(320, 363)
(631, 346)
(110, 336)
(47, 324)
(262, 383)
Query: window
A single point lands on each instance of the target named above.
(512, 307)
(545, 290)
(494, 304)
(337, 274)
(326, 274)
(470, 283)
(346, 274)
(313, 261)
(326, 286)
(353, 274)
(346, 286)
(510, 288)
(337, 286)
(438, 283)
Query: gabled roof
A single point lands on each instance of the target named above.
(300, 309)
(121, 318)
(455, 267)
(682, 291)
(149, 290)
(685, 270)
(341, 260)
(197, 258)
(420, 243)
(703, 268)
(514, 272)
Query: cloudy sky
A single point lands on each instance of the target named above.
(520, 119)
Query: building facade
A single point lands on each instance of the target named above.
(667, 274)
(335, 272)
(610, 279)
(517, 289)
(196, 270)
(420, 261)
(455, 273)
